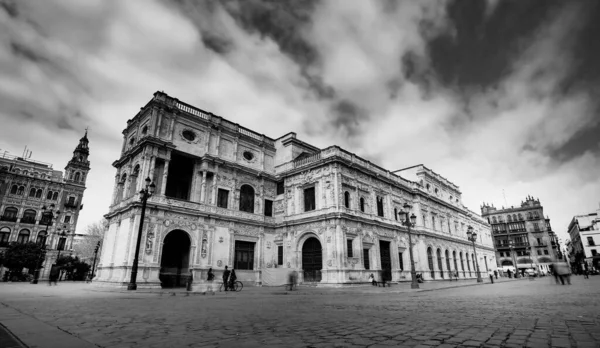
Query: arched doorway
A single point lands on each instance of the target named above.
(312, 260)
(175, 260)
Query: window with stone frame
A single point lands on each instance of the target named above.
(14, 189)
(546, 252)
(347, 199)
(396, 214)
(244, 255)
(280, 187)
(366, 260)
(280, 255)
(71, 201)
(67, 219)
(362, 204)
(247, 198)
(268, 207)
(539, 252)
(222, 198)
(41, 238)
(379, 206)
(61, 243)
(590, 241)
(349, 247)
(23, 237)
(32, 192)
(55, 196)
(309, 199)
(401, 261)
(4, 236)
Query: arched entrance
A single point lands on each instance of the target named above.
(312, 260)
(175, 260)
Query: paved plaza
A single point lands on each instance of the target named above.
(516, 313)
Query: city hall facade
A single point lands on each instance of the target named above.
(229, 196)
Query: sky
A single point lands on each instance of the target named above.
(500, 97)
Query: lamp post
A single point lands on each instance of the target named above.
(409, 221)
(47, 212)
(511, 245)
(145, 193)
(472, 236)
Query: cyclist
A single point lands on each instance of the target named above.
(232, 279)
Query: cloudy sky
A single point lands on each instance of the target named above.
(497, 96)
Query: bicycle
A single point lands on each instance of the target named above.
(237, 286)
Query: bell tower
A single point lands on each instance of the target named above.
(79, 166)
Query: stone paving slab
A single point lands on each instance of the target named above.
(507, 314)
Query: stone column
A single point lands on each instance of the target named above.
(214, 183)
(337, 183)
(151, 165)
(203, 186)
(163, 188)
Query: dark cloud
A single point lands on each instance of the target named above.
(481, 49)
(23, 51)
(216, 43)
(347, 117)
(10, 7)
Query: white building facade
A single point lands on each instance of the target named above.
(584, 231)
(228, 196)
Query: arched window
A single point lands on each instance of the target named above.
(462, 263)
(520, 216)
(38, 193)
(424, 220)
(362, 204)
(509, 218)
(4, 236)
(396, 214)
(486, 265)
(439, 262)
(23, 236)
(515, 217)
(41, 238)
(77, 175)
(21, 190)
(134, 181)
(247, 198)
(430, 262)
(32, 192)
(454, 258)
(448, 261)
(71, 176)
(379, 206)
(347, 199)
(10, 214)
(468, 264)
(494, 220)
(55, 196)
(473, 260)
(29, 216)
(529, 216)
(13, 189)
(433, 222)
(49, 195)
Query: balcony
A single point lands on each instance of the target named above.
(28, 220)
(541, 245)
(71, 205)
(8, 218)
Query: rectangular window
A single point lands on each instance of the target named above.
(536, 226)
(268, 207)
(71, 201)
(539, 241)
(546, 252)
(379, 206)
(349, 244)
(244, 255)
(366, 259)
(222, 198)
(280, 254)
(401, 261)
(539, 252)
(61, 244)
(507, 254)
(501, 254)
(309, 199)
(591, 241)
(280, 187)
(67, 219)
(594, 252)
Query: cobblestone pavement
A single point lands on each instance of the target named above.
(507, 314)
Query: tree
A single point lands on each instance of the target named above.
(23, 255)
(72, 267)
(84, 248)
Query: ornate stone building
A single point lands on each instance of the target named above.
(522, 235)
(227, 195)
(584, 231)
(26, 186)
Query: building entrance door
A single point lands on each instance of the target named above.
(386, 261)
(312, 260)
(175, 260)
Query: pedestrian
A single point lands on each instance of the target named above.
(190, 281)
(225, 278)
(210, 277)
(509, 273)
(54, 273)
(586, 272)
(491, 275)
(372, 280)
(496, 274)
(232, 279)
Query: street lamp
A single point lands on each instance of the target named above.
(49, 214)
(511, 245)
(144, 195)
(410, 222)
(472, 236)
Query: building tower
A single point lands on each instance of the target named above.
(79, 166)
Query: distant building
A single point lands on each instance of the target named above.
(584, 231)
(229, 196)
(523, 238)
(26, 186)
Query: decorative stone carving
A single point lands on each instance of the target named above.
(289, 265)
(328, 239)
(220, 239)
(329, 263)
(203, 251)
(167, 223)
(149, 239)
(268, 245)
(219, 263)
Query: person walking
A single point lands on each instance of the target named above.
(226, 278)
(496, 274)
(232, 279)
(491, 275)
(372, 280)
